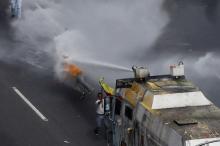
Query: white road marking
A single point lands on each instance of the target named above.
(30, 104)
(65, 141)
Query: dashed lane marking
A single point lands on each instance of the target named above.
(30, 104)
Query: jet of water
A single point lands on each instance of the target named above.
(103, 64)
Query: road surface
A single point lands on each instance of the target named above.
(70, 121)
(193, 30)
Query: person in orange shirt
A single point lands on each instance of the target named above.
(74, 72)
(72, 69)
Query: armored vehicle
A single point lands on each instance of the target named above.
(163, 110)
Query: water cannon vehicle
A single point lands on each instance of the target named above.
(163, 110)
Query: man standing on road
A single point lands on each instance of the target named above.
(103, 105)
(15, 6)
(100, 113)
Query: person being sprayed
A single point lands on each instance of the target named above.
(103, 103)
(74, 73)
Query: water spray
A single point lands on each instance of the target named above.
(103, 64)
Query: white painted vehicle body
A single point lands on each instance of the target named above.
(164, 111)
(204, 142)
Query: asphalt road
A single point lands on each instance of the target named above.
(70, 120)
(193, 28)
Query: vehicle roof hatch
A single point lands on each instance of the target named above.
(184, 122)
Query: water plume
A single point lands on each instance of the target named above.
(103, 64)
(104, 34)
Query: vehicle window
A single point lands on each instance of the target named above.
(117, 107)
(128, 112)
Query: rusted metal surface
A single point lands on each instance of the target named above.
(180, 125)
(207, 118)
